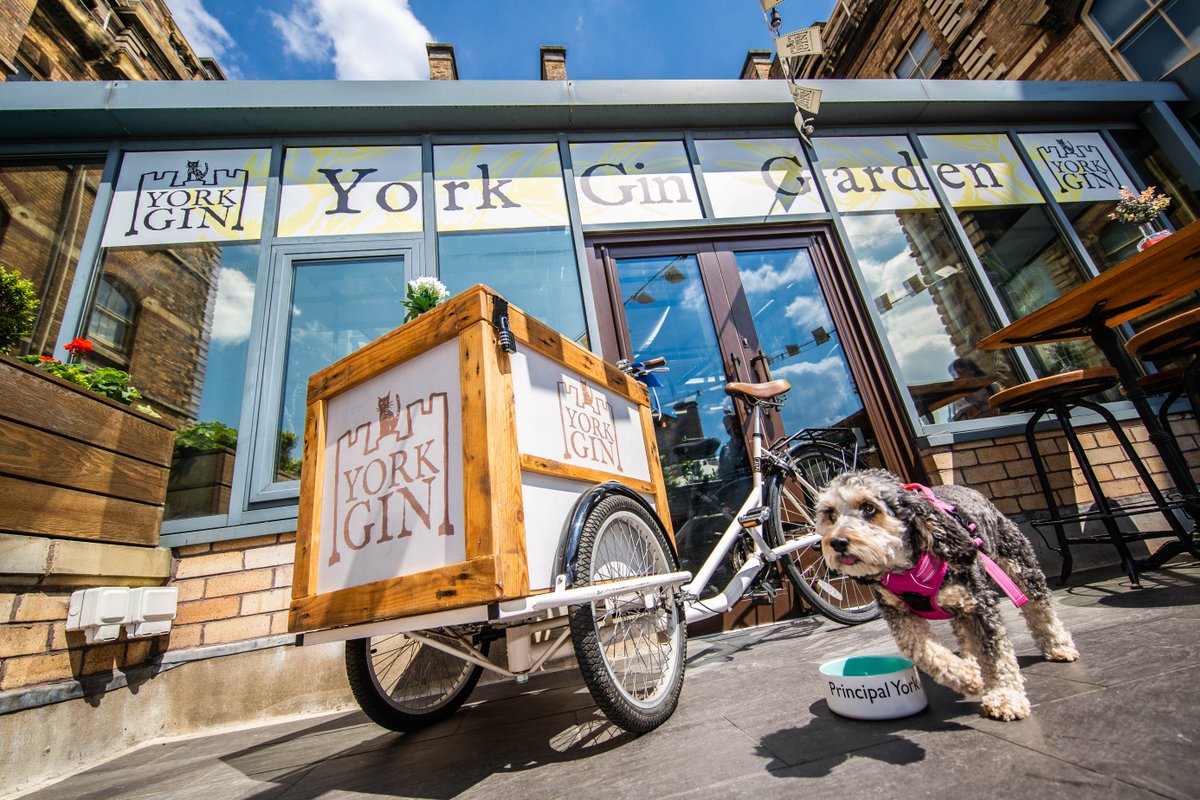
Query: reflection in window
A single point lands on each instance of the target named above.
(533, 269)
(42, 242)
(932, 313)
(338, 305)
(921, 60)
(1107, 241)
(187, 353)
(111, 324)
(1028, 264)
(1159, 172)
(797, 337)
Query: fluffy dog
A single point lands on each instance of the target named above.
(872, 525)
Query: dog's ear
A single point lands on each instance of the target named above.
(917, 514)
(932, 530)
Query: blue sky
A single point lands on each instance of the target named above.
(493, 39)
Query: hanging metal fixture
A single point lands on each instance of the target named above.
(794, 45)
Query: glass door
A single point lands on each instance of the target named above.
(720, 312)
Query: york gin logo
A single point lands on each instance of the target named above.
(589, 430)
(392, 477)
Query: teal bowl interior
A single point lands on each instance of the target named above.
(862, 666)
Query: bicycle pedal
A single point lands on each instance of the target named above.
(755, 517)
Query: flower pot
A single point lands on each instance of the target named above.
(1151, 233)
(76, 465)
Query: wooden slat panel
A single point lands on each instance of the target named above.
(557, 469)
(54, 511)
(31, 397)
(470, 583)
(491, 471)
(35, 454)
(551, 344)
(308, 516)
(656, 476)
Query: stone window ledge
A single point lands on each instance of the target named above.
(39, 561)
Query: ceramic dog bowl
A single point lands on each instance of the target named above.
(873, 687)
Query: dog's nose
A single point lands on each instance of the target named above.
(839, 543)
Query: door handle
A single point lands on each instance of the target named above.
(765, 375)
(735, 374)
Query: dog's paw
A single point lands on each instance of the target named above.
(1006, 704)
(1061, 652)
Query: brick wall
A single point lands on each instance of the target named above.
(1001, 469)
(16, 13)
(228, 592)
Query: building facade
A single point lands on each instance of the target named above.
(231, 245)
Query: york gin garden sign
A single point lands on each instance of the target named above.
(219, 195)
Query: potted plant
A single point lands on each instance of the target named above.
(423, 294)
(85, 463)
(1142, 210)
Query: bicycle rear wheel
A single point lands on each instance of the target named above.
(405, 685)
(631, 647)
(792, 498)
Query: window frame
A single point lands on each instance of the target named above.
(261, 486)
(1154, 10)
(917, 72)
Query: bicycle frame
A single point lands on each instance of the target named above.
(698, 609)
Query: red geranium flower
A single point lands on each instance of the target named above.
(78, 347)
(49, 358)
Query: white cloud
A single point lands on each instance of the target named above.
(374, 40)
(821, 388)
(204, 32)
(235, 306)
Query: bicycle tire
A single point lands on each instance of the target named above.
(836, 596)
(630, 648)
(405, 685)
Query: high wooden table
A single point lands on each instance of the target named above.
(1163, 272)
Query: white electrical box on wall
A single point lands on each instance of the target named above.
(101, 611)
(98, 612)
(151, 609)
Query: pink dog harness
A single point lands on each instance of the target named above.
(918, 586)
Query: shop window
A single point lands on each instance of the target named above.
(336, 306)
(920, 60)
(1151, 36)
(191, 306)
(47, 208)
(534, 269)
(114, 311)
(931, 312)
(1029, 264)
(502, 221)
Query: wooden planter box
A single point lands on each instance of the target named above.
(439, 470)
(76, 465)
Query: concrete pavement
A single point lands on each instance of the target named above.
(1123, 722)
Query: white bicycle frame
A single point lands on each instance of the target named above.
(526, 617)
(698, 609)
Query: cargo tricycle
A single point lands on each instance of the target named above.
(479, 491)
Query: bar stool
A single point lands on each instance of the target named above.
(1057, 396)
(1174, 338)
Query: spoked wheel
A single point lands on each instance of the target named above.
(405, 685)
(630, 648)
(792, 499)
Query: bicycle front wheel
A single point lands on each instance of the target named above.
(792, 499)
(405, 685)
(631, 647)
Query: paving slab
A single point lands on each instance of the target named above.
(1120, 723)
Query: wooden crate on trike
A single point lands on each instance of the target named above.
(473, 479)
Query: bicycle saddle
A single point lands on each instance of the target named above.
(759, 391)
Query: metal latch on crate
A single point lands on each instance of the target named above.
(500, 322)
